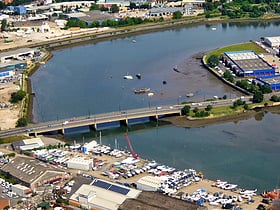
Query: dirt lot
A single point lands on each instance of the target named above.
(9, 113)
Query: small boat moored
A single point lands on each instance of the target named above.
(142, 90)
(128, 77)
(138, 76)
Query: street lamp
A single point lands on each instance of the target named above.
(179, 100)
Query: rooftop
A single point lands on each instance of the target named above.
(248, 60)
(28, 169)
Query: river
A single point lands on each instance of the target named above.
(88, 79)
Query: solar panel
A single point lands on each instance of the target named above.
(118, 189)
(111, 187)
(101, 184)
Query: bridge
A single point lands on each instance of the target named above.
(97, 121)
(113, 119)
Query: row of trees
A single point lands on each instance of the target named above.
(129, 21)
(241, 9)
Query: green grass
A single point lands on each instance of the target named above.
(11, 139)
(238, 47)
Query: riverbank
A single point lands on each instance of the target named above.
(183, 121)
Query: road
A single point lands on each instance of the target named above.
(156, 112)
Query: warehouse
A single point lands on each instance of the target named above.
(33, 173)
(80, 163)
(272, 41)
(149, 183)
(103, 195)
(248, 64)
(272, 81)
(27, 144)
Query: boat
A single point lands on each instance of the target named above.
(138, 76)
(142, 90)
(133, 41)
(150, 94)
(213, 29)
(190, 95)
(176, 69)
(128, 77)
(244, 192)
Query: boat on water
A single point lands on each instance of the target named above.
(213, 29)
(138, 76)
(175, 68)
(133, 41)
(190, 95)
(128, 77)
(142, 90)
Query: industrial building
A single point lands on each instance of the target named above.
(27, 144)
(21, 190)
(80, 163)
(272, 81)
(248, 64)
(149, 183)
(103, 195)
(272, 41)
(33, 173)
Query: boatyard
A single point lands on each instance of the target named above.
(93, 161)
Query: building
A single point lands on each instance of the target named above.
(272, 81)
(4, 203)
(19, 54)
(248, 64)
(272, 41)
(6, 73)
(21, 190)
(149, 183)
(103, 195)
(33, 173)
(80, 163)
(27, 144)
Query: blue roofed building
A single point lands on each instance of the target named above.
(20, 10)
(248, 64)
(272, 81)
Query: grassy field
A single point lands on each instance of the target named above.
(238, 47)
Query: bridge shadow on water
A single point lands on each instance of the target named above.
(85, 133)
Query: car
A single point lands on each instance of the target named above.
(159, 107)
(171, 107)
(28, 130)
(65, 122)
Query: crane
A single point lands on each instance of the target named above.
(133, 153)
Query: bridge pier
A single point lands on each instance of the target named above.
(93, 127)
(124, 122)
(154, 118)
(62, 131)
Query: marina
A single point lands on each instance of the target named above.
(119, 166)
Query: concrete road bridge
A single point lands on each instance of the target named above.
(114, 119)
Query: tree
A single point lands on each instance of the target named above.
(115, 8)
(213, 61)
(225, 97)
(208, 108)
(22, 122)
(17, 96)
(177, 15)
(275, 98)
(257, 97)
(186, 110)
(195, 110)
(3, 24)
(246, 106)
(94, 7)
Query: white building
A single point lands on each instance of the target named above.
(88, 147)
(103, 195)
(21, 190)
(80, 163)
(149, 183)
(272, 41)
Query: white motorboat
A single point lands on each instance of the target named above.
(128, 77)
(246, 192)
